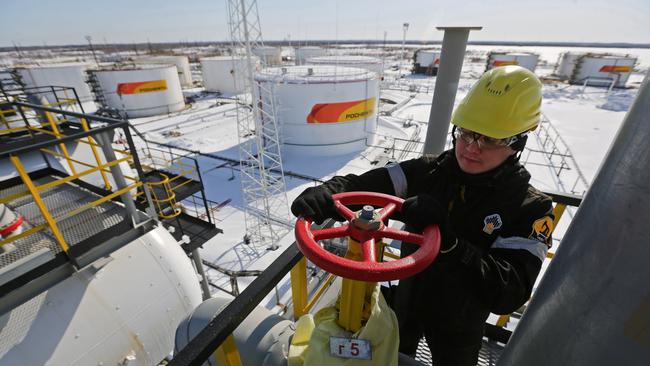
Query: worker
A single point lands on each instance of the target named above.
(495, 227)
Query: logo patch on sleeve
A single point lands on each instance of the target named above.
(491, 223)
(542, 229)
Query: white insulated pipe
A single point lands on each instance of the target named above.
(454, 44)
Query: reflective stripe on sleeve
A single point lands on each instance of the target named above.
(536, 248)
(398, 178)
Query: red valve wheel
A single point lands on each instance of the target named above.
(368, 269)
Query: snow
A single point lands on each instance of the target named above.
(586, 119)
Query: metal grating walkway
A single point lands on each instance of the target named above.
(488, 355)
(59, 201)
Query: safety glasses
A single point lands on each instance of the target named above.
(483, 142)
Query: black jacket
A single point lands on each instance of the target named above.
(503, 225)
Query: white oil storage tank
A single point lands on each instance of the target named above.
(596, 69)
(566, 64)
(269, 56)
(365, 62)
(523, 59)
(146, 90)
(69, 75)
(182, 65)
(322, 110)
(220, 73)
(304, 53)
(426, 62)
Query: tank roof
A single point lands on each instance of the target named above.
(133, 67)
(46, 66)
(222, 58)
(345, 59)
(308, 74)
(517, 53)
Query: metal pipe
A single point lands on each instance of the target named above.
(196, 258)
(593, 305)
(118, 176)
(454, 43)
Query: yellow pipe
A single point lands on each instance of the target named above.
(227, 354)
(39, 203)
(50, 118)
(319, 293)
(107, 184)
(299, 288)
(354, 294)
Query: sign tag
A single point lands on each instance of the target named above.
(350, 348)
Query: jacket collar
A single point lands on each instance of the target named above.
(510, 173)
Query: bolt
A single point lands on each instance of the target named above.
(367, 212)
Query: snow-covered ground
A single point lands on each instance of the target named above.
(586, 120)
(582, 121)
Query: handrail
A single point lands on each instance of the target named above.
(63, 139)
(224, 323)
(41, 140)
(169, 200)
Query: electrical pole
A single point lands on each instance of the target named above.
(90, 43)
(405, 27)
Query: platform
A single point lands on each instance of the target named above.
(199, 231)
(37, 259)
(488, 355)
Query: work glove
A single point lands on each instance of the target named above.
(423, 210)
(315, 203)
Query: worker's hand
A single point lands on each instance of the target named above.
(424, 210)
(315, 203)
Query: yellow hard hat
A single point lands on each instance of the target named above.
(503, 103)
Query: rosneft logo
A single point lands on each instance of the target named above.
(342, 112)
(141, 87)
(614, 68)
(498, 63)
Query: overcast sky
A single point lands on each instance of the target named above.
(35, 22)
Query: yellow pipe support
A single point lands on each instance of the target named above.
(107, 184)
(558, 211)
(50, 118)
(39, 203)
(227, 354)
(320, 292)
(299, 288)
(354, 294)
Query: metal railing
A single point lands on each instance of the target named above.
(558, 157)
(292, 261)
(51, 131)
